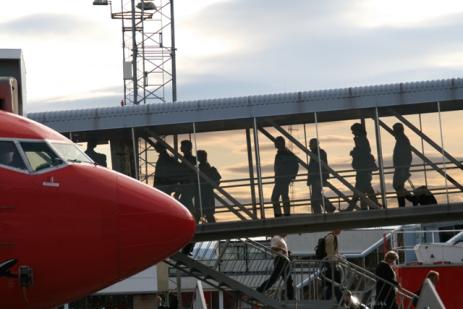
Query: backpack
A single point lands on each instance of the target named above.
(320, 251)
(215, 176)
(293, 166)
(423, 196)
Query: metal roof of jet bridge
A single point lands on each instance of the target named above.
(248, 107)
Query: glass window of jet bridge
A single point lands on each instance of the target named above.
(40, 155)
(71, 153)
(9, 155)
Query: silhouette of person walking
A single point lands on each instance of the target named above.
(317, 182)
(363, 162)
(166, 168)
(98, 158)
(285, 168)
(188, 178)
(402, 160)
(206, 188)
(188, 189)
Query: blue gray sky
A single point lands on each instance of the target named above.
(229, 48)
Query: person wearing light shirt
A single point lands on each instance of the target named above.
(332, 272)
(281, 267)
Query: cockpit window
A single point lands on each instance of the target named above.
(71, 153)
(9, 155)
(40, 155)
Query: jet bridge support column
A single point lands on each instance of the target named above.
(122, 154)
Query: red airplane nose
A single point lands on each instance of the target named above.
(152, 225)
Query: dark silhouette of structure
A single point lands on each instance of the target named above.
(281, 267)
(402, 160)
(285, 168)
(98, 158)
(363, 162)
(206, 188)
(165, 178)
(316, 180)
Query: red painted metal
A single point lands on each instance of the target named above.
(449, 286)
(96, 228)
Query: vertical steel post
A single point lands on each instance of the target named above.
(251, 172)
(134, 55)
(198, 179)
(379, 149)
(135, 153)
(173, 52)
(258, 169)
(443, 155)
(422, 151)
(319, 164)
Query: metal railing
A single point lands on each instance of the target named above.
(332, 280)
(405, 241)
(251, 263)
(246, 261)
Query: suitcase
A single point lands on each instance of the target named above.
(423, 196)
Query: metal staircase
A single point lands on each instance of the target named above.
(243, 264)
(311, 277)
(234, 265)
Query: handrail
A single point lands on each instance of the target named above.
(312, 279)
(252, 269)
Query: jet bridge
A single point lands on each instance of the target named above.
(238, 135)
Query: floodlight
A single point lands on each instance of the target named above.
(146, 5)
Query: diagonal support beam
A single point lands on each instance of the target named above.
(206, 179)
(425, 159)
(428, 140)
(325, 166)
(306, 166)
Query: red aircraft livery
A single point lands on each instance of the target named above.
(68, 227)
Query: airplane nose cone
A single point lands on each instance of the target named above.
(152, 225)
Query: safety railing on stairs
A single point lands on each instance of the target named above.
(246, 261)
(342, 282)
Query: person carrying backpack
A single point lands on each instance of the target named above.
(286, 167)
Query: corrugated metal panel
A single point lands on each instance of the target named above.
(252, 106)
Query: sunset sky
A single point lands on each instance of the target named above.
(228, 48)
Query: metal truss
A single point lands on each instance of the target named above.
(148, 50)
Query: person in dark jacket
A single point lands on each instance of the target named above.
(206, 188)
(165, 170)
(284, 174)
(188, 179)
(363, 162)
(386, 284)
(188, 186)
(402, 160)
(317, 182)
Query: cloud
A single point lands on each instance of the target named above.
(40, 25)
(72, 104)
(313, 45)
